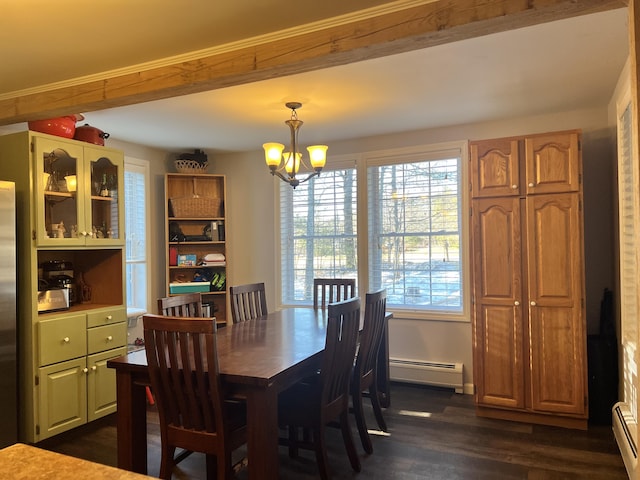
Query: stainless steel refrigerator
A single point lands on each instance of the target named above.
(8, 339)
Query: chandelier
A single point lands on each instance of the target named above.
(292, 161)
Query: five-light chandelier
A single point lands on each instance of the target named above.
(293, 162)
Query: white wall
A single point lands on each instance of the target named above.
(251, 234)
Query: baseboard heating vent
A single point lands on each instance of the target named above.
(427, 373)
(623, 422)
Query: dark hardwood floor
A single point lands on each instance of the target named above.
(433, 434)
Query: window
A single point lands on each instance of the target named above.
(318, 233)
(412, 234)
(136, 180)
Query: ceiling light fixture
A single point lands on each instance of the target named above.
(294, 163)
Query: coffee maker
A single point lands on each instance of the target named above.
(59, 274)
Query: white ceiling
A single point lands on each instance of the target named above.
(557, 66)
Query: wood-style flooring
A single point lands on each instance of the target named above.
(433, 434)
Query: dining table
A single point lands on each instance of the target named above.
(257, 359)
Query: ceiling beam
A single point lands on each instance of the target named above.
(429, 24)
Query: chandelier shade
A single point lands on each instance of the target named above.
(288, 165)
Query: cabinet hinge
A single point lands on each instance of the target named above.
(37, 380)
(471, 211)
(37, 429)
(33, 234)
(32, 146)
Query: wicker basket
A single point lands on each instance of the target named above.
(195, 207)
(190, 166)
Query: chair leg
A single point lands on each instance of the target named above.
(321, 453)
(356, 399)
(348, 441)
(293, 441)
(377, 408)
(166, 461)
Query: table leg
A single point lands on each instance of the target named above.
(131, 421)
(262, 432)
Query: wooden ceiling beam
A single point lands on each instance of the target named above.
(422, 26)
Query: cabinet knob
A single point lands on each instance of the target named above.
(85, 370)
(88, 234)
(533, 304)
(516, 303)
(66, 339)
(94, 368)
(83, 233)
(514, 187)
(109, 317)
(531, 185)
(109, 338)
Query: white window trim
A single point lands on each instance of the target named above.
(142, 166)
(361, 162)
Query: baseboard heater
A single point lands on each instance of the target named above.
(622, 423)
(427, 373)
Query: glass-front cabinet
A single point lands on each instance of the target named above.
(79, 191)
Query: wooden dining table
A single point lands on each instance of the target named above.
(258, 359)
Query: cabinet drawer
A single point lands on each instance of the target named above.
(62, 338)
(107, 337)
(106, 316)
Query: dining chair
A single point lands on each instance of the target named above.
(324, 398)
(183, 367)
(247, 302)
(185, 305)
(365, 370)
(331, 290)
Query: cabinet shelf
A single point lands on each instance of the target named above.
(198, 242)
(102, 199)
(195, 219)
(60, 194)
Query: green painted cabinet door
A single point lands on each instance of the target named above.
(101, 383)
(63, 397)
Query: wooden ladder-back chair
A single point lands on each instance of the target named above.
(331, 290)
(324, 398)
(183, 366)
(365, 371)
(186, 305)
(248, 302)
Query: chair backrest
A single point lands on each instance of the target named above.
(331, 290)
(183, 366)
(371, 335)
(343, 324)
(186, 305)
(247, 302)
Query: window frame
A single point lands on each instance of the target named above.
(361, 162)
(141, 166)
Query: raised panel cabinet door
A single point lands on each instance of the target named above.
(553, 163)
(497, 322)
(495, 170)
(101, 384)
(556, 292)
(63, 397)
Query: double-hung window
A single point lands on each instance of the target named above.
(318, 233)
(402, 210)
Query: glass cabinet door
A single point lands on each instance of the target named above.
(104, 189)
(60, 208)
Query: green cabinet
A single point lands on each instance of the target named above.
(69, 198)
